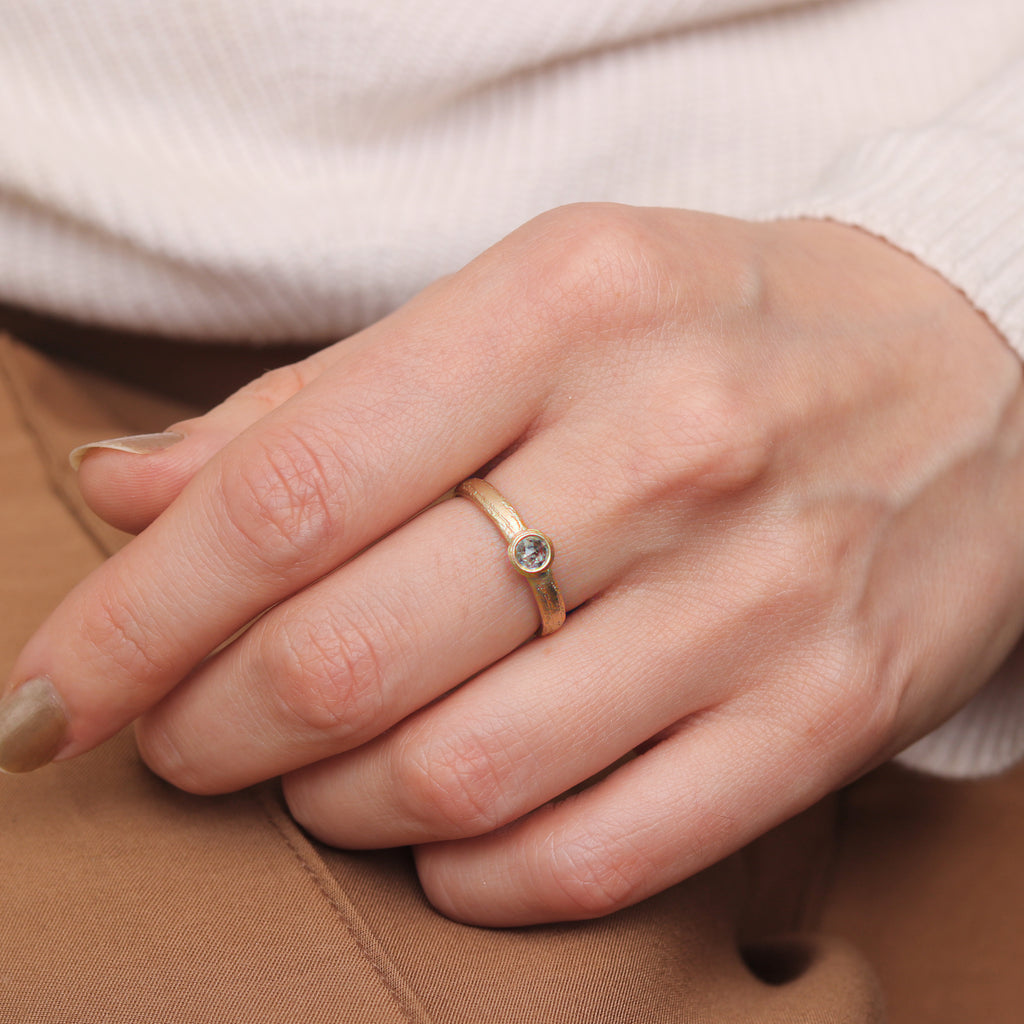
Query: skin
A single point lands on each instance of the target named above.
(780, 464)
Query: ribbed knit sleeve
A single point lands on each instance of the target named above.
(295, 170)
(951, 192)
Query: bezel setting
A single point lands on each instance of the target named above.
(530, 552)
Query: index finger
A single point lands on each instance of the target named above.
(402, 416)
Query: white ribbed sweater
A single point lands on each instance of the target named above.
(293, 169)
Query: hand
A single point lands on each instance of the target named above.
(781, 465)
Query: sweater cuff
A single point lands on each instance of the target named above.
(984, 737)
(951, 196)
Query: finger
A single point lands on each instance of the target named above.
(129, 481)
(343, 462)
(544, 720)
(409, 619)
(718, 782)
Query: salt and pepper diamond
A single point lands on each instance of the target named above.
(530, 552)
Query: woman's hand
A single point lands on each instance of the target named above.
(782, 468)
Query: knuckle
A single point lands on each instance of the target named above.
(835, 706)
(592, 876)
(833, 682)
(307, 805)
(808, 565)
(257, 397)
(124, 638)
(165, 758)
(280, 501)
(327, 678)
(858, 713)
(710, 443)
(276, 386)
(455, 786)
(296, 795)
(596, 268)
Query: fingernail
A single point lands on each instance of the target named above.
(33, 724)
(137, 444)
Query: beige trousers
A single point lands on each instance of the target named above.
(124, 901)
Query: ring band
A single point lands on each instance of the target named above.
(529, 551)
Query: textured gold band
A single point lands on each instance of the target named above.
(529, 551)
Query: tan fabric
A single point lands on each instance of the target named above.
(929, 884)
(127, 902)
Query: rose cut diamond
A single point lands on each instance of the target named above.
(531, 552)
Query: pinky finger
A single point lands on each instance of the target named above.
(715, 784)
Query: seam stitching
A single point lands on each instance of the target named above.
(403, 995)
(47, 463)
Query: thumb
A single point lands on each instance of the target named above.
(129, 481)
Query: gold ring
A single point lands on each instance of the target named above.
(529, 551)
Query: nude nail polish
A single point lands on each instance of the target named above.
(33, 725)
(137, 444)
